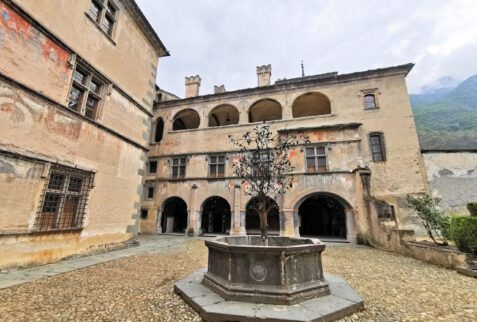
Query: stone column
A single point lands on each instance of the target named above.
(193, 220)
(350, 231)
(243, 115)
(204, 121)
(238, 227)
(287, 223)
(159, 221)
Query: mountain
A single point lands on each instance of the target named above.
(446, 117)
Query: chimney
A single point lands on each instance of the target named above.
(263, 73)
(219, 89)
(192, 86)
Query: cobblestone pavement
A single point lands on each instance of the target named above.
(140, 288)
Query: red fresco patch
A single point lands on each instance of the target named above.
(14, 23)
(7, 108)
(232, 184)
(244, 185)
(292, 154)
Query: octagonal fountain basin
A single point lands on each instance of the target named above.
(287, 271)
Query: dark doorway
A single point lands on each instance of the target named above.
(322, 216)
(174, 216)
(216, 216)
(252, 219)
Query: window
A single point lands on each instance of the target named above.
(143, 213)
(217, 166)
(369, 101)
(260, 162)
(152, 167)
(64, 199)
(103, 12)
(315, 159)
(159, 130)
(178, 168)
(150, 193)
(377, 146)
(85, 93)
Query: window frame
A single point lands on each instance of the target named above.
(374, 93)
(179, 165)
(217, 164)
(316, 156)
(149, 188)
(86, 92)
(149, 166)
(60, 218)
(104, 14)
(382, 146)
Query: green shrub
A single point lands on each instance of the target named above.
(433, 219)
(472, 207)
(464, 233)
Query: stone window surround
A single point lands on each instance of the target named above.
(370, 91)
(382, 146)
(179, 165)
(316, 146)
(103, 14)
(89, 75)
(64, 191)
(217, 164)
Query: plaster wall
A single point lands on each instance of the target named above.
(127, 57)
(35, 126)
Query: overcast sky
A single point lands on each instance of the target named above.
(224, 41)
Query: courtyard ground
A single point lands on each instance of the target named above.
(140, 287)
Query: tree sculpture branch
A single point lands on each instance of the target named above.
(264, 164)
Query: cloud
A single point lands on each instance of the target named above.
(223, 41)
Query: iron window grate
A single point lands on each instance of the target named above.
(64, 199)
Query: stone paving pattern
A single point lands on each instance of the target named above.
(141, 287)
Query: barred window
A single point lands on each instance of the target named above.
(85, 94)
(103, 12)
(178, 168)
(217, 166)
(377, 146)
(315, 159)
(64, 199)
(369, 101)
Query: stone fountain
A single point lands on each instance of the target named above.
(281, 281)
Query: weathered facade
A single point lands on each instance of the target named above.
(452, 178)
(350, 181)
(77, 84)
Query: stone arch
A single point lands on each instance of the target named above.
(185, 120)
(324, 214)
(174, 215)
(252, 220)
(311, 104)
(215, 215)
(266, 109)
(224, 114)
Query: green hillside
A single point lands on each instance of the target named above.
(450, 121)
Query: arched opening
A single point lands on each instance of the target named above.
(215, 216)
(265, 110)
(159, 129)
(252, 218)
(223, 115)
(185, 120)
(174, 216)
(310, 104)
(322, 215)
